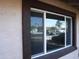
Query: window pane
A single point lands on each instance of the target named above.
(36, 33)
(68, 31)
(55, 32)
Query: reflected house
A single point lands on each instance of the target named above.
(37, 33)
(36, 30)
(54, 30)
(51, 30)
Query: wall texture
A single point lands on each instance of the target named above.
(10, 29)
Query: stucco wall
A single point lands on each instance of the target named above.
(10, 29)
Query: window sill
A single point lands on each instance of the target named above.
(58, 54)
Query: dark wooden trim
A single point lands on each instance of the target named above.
(26, 5)
(26, 30)
(74, 30)
(41, 5)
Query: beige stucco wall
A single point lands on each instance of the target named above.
(11, 28)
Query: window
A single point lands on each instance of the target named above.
(50, 32)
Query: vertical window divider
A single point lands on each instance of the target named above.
(71, 31)
(65, 31)
(45, 47)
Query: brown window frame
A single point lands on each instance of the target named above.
(26, 5)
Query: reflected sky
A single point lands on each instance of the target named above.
(36, 21)
(52, 23)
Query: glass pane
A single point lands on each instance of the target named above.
(55, 32)
(68, 31)
(36, 33)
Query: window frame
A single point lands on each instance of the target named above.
(26, 5)
(44, 20)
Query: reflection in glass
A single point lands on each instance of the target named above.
(55, 32)
(68, 31)
(36, 33)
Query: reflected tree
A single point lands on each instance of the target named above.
(58, 26)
